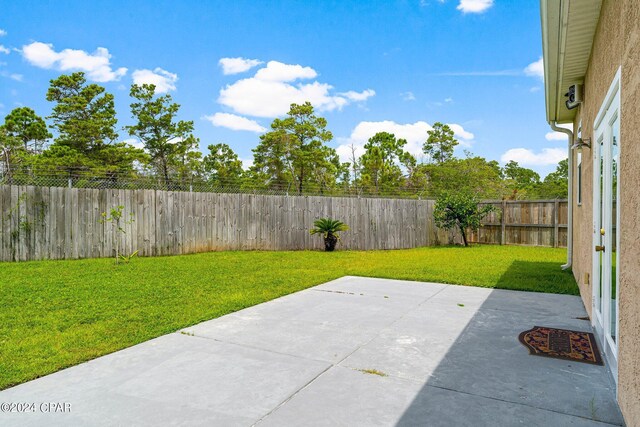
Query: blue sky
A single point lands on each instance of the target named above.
(235, 65)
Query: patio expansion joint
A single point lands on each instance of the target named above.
(252, 347)
(292, 395)
(337, 363)
(518, 403)
(377, 334)
(508, 310)
(334, 292)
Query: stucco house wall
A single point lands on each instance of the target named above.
(616, 43)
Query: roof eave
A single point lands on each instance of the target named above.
(550, 13)
(568, 30)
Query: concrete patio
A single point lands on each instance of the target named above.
(443, 355)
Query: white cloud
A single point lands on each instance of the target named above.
(272, 90)
(535, 69)
(278, 72)
(474, 6)
(559, 136)
(345, 153)
(96, 65)
(40, 54)
(237, 65)
(352, 95)
(247, 163)
(12, 76)
(414, 133)
(162, 79)
(175, 140)
(2, 32)
(4, 50)
(255, 97)
(526, 157)
(9, 75)
(234, 122)
(438, 104)
(408, 96)
(135, 142)
(460, 133)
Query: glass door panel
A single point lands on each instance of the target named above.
(599, 227)
(613, 243)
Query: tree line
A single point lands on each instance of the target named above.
(293, 155)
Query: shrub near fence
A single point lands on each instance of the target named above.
(64, 223)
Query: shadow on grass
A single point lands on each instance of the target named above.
(527, 275)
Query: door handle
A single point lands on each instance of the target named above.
(599, 248)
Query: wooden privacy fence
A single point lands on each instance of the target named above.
(525, 222)
(65, 223)
(57, 223)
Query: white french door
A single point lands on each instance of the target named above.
(606, 217)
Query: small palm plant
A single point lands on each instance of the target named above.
(329, 228)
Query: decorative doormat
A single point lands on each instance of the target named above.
(562, 344)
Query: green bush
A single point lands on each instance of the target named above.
(329, 228)
(460, 210)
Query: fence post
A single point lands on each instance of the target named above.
(503, 225)
(556, 208)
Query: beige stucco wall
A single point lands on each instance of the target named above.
(629, 363)
(605, 59)
(617, 43)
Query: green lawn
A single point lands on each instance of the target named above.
(59, 313)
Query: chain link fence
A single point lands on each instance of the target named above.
(134, 180)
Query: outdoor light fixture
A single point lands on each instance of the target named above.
(581, 143)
